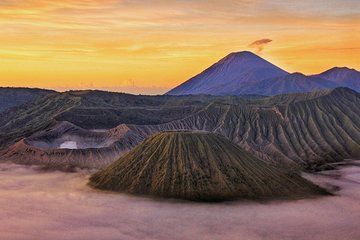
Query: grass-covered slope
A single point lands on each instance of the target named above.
(198, 166)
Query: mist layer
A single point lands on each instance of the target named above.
(37, 204)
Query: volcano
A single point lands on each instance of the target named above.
(199, 166)
(245, 73)
(228, 74)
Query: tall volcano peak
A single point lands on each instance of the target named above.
(228, 74)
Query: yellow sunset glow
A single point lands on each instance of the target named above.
(151, 46)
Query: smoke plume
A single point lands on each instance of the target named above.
(260, 44)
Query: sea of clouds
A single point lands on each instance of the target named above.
(37, 204)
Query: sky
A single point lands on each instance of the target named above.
(149, 47)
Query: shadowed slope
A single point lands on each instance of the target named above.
(343, 76)
(198, 166)
(99, 110)
(292, 83)
(34, 116)
(14, 97)
(319, 129)
(310, 129)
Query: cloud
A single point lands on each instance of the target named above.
(64, 207)
(260, 44)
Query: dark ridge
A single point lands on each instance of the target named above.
(11, 97)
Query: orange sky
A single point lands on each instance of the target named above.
(149, 47)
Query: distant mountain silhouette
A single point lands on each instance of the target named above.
(228, 74)
(344, 77)
(246, 73)
(292, 83)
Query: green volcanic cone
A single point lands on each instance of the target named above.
(200, 167)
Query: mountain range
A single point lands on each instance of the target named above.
(246, 73)
(285, 119)
(306, 129)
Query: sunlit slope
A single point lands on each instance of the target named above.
(198, 166)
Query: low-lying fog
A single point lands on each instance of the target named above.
(37, 205)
